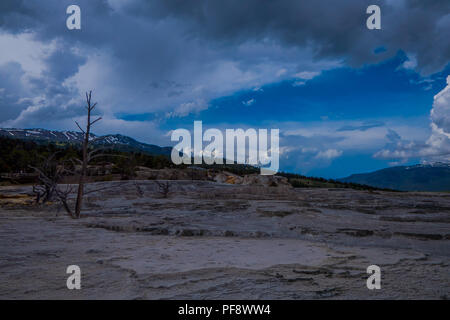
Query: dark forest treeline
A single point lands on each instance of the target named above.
(301, 181)
(18, 155)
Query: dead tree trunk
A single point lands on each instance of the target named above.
(164, 188)
(85, 160)
(48, 176)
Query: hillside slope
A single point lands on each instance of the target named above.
(431, 177)
(115, 141)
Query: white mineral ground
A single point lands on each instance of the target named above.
(219, 241)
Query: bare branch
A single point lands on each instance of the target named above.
(82, 130)
(63, 195)
(48, 176)
(139, 191)
(90, 153)
(75, 159)
(164, 188)
(98, 156)
(98, 119)
(87, 156)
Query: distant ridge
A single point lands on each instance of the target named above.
(420, 177)
(115, 141)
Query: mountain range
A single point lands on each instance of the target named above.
(420, 177)
(115, 141)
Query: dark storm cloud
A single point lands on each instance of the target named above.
(333, 28)
(62, 64)
(40, 97)
(11, 90)
(177, 55)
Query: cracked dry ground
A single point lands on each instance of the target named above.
(216, 241)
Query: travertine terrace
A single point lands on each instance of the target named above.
(221, 241)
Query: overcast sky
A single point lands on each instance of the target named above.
(346, 99)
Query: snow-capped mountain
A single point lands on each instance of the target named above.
(419, 177)
(115, 141)
(42, 134)
(430, 165)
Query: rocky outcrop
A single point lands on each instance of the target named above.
(227, 177)
(251, 179)
(268, 181)
(145, 173)
(196, 173)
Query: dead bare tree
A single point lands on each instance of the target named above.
(139, 190)
(63, 195)
(87, 156)
(51, 183)
(49, 174)
(164, 188)
(49, 180)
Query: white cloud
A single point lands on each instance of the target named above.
(212, 74)
(188, 107)
(248, 103)
(411, 63)
(26, 51)
(306, 75)
(281, 72)
(329, 154)
(312, 145)
(440, 114)
(437, 146)
(352, 134)
(150, 76)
